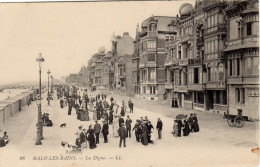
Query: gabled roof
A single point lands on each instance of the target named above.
(162, 22)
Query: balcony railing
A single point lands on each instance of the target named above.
(183, 62)
(152, 34)
(194, 61)
(216, 85)
(197, 87)
(170, 62)
(217, 28)
(186, 38)
(181, 88)
(169, 85)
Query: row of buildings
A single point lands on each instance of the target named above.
(205, 58)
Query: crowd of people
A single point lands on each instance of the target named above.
(109, 115)
(185, 126)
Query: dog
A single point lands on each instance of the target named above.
(63, 125)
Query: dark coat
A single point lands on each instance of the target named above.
(122, 132)
(97, 128)
(128, 123)
(91, 140)
(122, 112)
(159, 125)
(105, 129)
(121, 121)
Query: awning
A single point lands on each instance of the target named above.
(242, 46)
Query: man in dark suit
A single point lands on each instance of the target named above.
(97, 129)
(137, 131)
(159, 128)
(122, 135)
(128, 126)
(105, 131)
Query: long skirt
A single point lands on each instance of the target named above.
(82, 116)
(115, 129)
(196, 127)
(144, 139)
(92, 145)
(87, 116)
(94, 115)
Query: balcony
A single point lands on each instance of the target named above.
(181, 88)
(245, 79)
(216, 29)
(195, 61)
(169, 85)
(186, 38)
(151, 34)
(183, 62)
(216, 85)
(150, 64)
(196, 87)
(141, 65)
(242, 43)
(251, 79)
(170, 62)
(149, 81)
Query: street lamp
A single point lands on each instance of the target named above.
(48, 87)
(40, 59)
(51, 84)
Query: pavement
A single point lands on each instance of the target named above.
(216, 144)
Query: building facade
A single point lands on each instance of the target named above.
(122, 50)
(242, 54)
(154, 30)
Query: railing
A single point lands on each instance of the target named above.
(170, 62)
(169, 85)
(194, 61)
(183, 62)
(152, 34)
(216, 85)
(181, 88)
(217, 28)
(198, 87)
(186, 38)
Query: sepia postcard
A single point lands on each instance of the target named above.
(129, 83)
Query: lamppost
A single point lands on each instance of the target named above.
(51, 84)
(40, 59)
(48, 87)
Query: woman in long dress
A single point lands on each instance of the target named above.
(115, 126)
(91, 140)
(186, 129)
(94, 114)
(86, 115)
(116, 106)
(144, 136)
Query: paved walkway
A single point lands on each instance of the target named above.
(215, 144)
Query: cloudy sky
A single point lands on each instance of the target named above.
(66, 34)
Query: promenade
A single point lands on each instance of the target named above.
(215, 144)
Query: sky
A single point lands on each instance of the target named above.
(67, 34)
